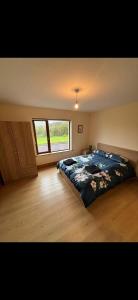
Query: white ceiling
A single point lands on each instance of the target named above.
(49, 82)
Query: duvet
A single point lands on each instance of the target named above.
(113, 169)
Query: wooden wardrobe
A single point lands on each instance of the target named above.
(17, 157)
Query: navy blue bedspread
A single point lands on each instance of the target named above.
(113, 170)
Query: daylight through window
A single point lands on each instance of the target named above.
(51, 135)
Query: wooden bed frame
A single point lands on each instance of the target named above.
(130, 154)
(70, 184)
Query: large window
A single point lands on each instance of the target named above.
(51, 135)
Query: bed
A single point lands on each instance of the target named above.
(94, 174)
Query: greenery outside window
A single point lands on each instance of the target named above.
(51, 135)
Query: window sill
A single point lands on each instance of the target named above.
(56, 152)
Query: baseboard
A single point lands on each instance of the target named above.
(47, 165)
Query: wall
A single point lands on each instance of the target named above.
(117, 126)
(26, 113)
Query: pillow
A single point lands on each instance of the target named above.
(100, 152)
(124, 158)
(118, 158)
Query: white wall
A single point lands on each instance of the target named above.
(116, 126)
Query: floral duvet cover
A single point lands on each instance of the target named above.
(113, 170)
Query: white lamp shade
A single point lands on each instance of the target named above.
(76, 106)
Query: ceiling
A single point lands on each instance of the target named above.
(49, 82)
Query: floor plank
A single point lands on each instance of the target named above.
(46, 209)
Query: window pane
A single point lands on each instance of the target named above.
(59, 135)
(41, 136)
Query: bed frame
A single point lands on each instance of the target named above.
(70, 184)
(130, 154)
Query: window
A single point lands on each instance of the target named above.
(51, 135)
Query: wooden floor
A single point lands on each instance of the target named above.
(45, 209)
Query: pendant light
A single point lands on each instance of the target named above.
(76, 106)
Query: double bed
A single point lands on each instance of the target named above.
(93, 174)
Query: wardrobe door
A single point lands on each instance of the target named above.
(9, 163)
(17, 157)
(25, 149)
